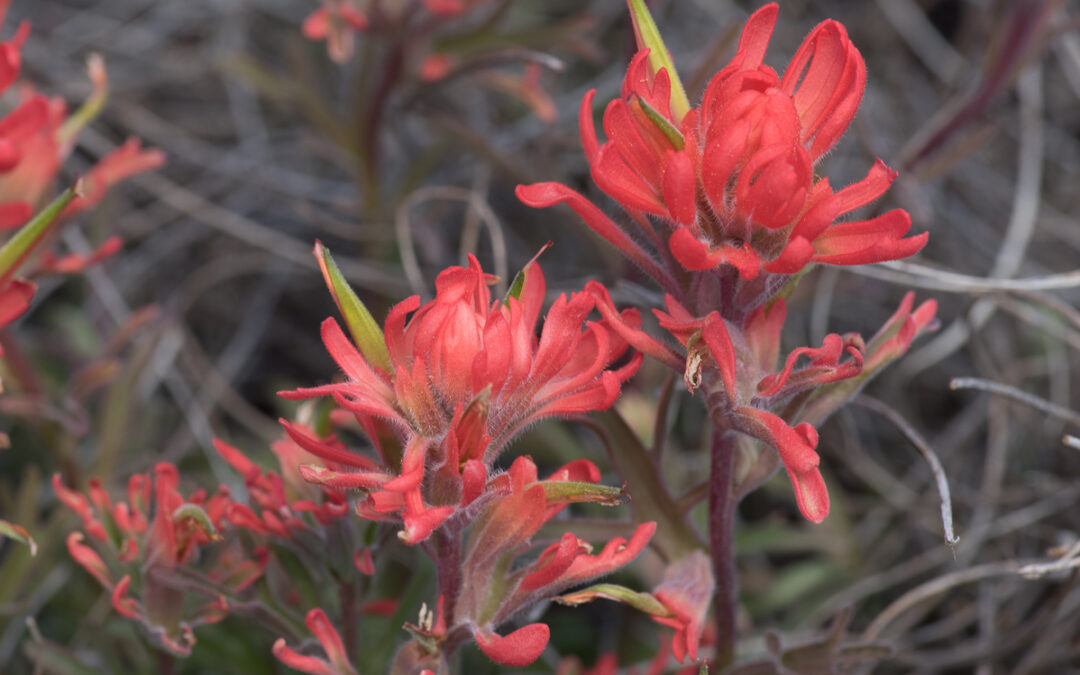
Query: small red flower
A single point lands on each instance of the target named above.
(336, 22)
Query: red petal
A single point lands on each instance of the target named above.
(517, 649)
(305, 664)
(797, 451)
(680, 186)
(587, 128)
(869, 241)
(124, 605)
(714, 332)
(548, 194)
(695, 255)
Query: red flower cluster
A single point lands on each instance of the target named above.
(454, 383)
(35, 138)
(154, 531)
(440, 394)
(491, 593)
(733, 179)
(736, 364)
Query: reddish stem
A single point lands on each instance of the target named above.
(349, 619)
(722, 504)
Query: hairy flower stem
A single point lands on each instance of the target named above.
(722, 505)
(447, 555)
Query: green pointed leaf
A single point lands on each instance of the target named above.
(648, 37)
(19, 247)
(202, 521)
(518, 285)
(576, 492)
(644, 602)
(515, 288)
(650, 500)
(19, 534)
(365, 332)
(663, 124)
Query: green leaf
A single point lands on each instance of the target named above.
(518, 285)
(648, 37)
(576, 492)
(663, 124)
(643, 602)
(365, 332)
(202, 521)
(19, 247)
(515, 288)
(19, 534)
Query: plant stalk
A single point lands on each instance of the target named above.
(722, 505)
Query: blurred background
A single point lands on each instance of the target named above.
(404, 158)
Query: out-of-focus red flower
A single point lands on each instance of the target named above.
(335, 21)
(435, 67)
(733, 180)
(336, 663)
(752, 402)
(154, 530)
(282, 499)
(15, 297)
(39, 134)
(462, 376)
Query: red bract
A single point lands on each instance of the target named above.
(464, 375)
(733, 180)
(324, 632)
(146, 546)
(734, 363)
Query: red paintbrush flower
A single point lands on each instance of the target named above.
(733, 180)
(746, 395)
(155, 530)
(456, 382)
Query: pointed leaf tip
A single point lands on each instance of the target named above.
(648, 37)
(19, 247)
(365, 331)
(518, 285)
(19, 534)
